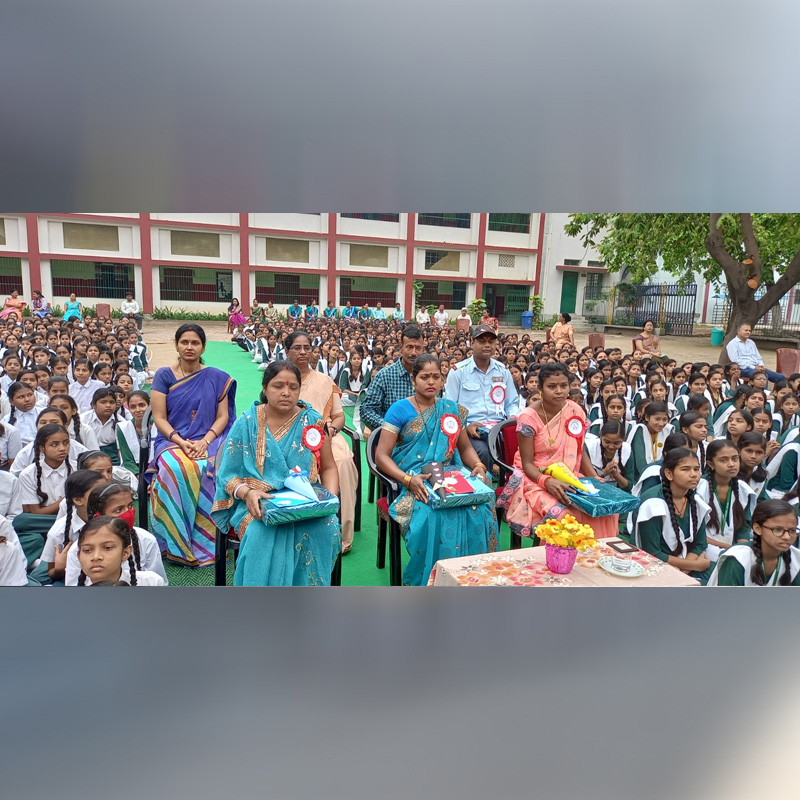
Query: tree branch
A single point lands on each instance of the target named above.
(774, 293)
(716, 249)
(751, 245)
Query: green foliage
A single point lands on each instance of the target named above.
(166, 312)
(548, 323)
(418, 287)
(431, 308)
(26, 312)
(476, 309)
(537, 307)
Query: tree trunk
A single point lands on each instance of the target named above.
(743, 310)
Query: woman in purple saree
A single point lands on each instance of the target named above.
(193, 409)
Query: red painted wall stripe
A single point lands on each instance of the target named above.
(333, 248)
(408, 305)
(483, 222)
(34, 258)
(244, 259)
(147, 263)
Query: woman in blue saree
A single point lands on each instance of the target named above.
(264, 445)
(193, 409)
(412, 436)
(73, 309)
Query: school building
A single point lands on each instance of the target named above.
(199, 262)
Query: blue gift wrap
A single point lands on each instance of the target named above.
(481, 494)
(277, 511)
(608, 501)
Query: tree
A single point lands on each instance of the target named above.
(744, 248)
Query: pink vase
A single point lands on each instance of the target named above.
(560, 559)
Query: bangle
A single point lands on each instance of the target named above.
(542, 480)
(174, 433)
(478, 464)
(212, 431)
(407, 481)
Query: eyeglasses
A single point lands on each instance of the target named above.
(781, 532)
(299, 348)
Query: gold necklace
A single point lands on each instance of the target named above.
(416, 404)
(547, 422)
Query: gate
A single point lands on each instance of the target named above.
(670, 307)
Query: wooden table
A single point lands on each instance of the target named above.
(527, 567)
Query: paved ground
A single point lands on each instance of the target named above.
(159, 335)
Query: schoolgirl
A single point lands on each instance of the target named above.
(698, 403)
(65, 530)
(695, 427)
(714, 391)
(84, 386)
(69, 408)
(42, 483)
(647, 438)
(731, 501)
(782, 470)
(785, 416)
(355, 378)
(103, 373)
(770, 558)
(105, 550)
(720, 416)
(738, 422)
(670, 523)
(757, 399)
(779, 391)
(652, 475)
(100, 462)
(103, 420)
(57, 385)
(658, 391)
(119, 398)
(635, 381)
(614, 410)
(610, 454)
(23, 411)
(677, 385)
(696, 385)
(13, 563)
(114, 499)
(594, 378)
(606, 390)
(752, 452)
(27, 454)
(12, 366)
(759, 381)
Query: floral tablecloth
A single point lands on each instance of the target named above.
(527, 567)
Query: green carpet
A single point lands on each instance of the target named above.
(359, 565)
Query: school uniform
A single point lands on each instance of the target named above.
(83, 394)
(25, 423)
(713, 405)
(782, 471)
(648, 479)
(332, 372)
(52, 483)
(128, 445)
(650, 527)
(55, 536)
(645, 447)
(595, 412)
(26, 456)
(88, 438)
(759, 489)
(778, 424)
(106, 433)
(594, 429)
(594, 448)
(10, 502)
(720, 419)
(149, 551)
(13, 563)
(143, 578)
(727, 534)
(736, 564)
(10, 445)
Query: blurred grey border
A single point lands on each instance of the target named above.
(563, 106)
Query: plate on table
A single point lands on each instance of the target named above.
(607, 563)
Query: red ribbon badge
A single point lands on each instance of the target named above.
(576, 427)
(498, 394)
(312, 440)
(451, 427)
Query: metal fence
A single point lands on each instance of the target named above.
(445, 220)
(783, 319)
(107, 280)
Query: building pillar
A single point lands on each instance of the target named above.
(409, 308)
(244, 259)
(150, 297)
(34, 260)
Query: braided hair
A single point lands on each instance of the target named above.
(100, 394)
(753, 437)
(765, 510)
(738, 512)
(671, 461)
(12, 391)
(76, 485)
(685, 421)
(118, 527)
(613, 428)
(42, 435)
(97, 503)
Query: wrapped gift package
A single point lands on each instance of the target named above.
(288, 506)
(609, 500)
(481, 493)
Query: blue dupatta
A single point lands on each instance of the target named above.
(431, 535)
(300, 553)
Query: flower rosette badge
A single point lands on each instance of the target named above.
(498, 394)
(312, 440)
(451, 428)
(576, 427)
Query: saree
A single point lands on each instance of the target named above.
(41, 308)
(235, 316)
(72, 310)
(324, 396)
(431, 534)
(526, 503)
(562, 333)
(182, 488)
(300, 553)
(13, 308)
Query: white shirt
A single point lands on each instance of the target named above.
(148, 550)
(26, 456)
(106, 432)
(13, 564)
(423, 317)
(88, 438)
(53, 481)
(442, 318)
(10, 443)
(25, 423)
(55, 536)
(129, 307)
(10, 503)
(744, 353)
(83, 394)
(143, 578)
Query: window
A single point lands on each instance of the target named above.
(445, 220)
(594, 285)
(194, 243)
(506, 261)
(572, 262)
(510, 223)
(10, 275)
(367, 255)
(196, 284)
(452, 293)
(368, 290)
(105, 280)
(375, 217)
(294, 250)
(595, 264)
(284, 288)
(79, 236)
(2, 231)
(447, 260)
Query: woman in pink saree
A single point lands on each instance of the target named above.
(13, 307)
(544, 436)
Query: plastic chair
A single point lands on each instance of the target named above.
(503, 446)
(355, 441)
(392, 489)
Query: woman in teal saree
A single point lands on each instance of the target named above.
(413, 435)
(263, 445)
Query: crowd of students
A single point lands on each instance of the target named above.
(712, 457)
(72, 404)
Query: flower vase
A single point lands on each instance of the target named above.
(560, 560)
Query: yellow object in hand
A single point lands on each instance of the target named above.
(561, 472)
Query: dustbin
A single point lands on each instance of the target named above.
(717, 335)
(527, 320)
